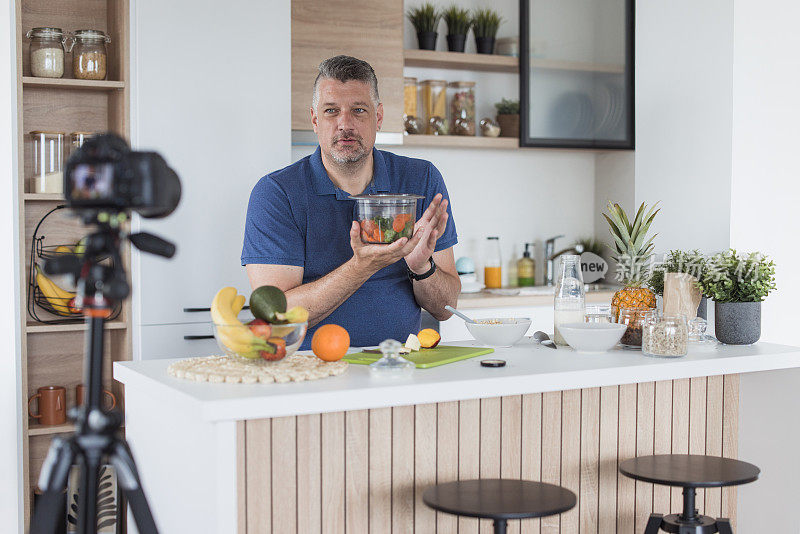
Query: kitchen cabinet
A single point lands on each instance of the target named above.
(576, 74)
(371, 30)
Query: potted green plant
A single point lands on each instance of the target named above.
(425, 19)
(458, 24)
(691, 262)
(508, 117)
(485, 23)
(738, 283)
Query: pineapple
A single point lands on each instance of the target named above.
(633, 253)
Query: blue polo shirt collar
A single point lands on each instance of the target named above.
(324, 186)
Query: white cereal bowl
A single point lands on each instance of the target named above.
(501, 332)
(592, 337)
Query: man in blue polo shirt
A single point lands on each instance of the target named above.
(301, 236)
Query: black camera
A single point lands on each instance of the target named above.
(106, 175)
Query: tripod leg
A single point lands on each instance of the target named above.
(87, 497)
(128, 478)
(52, 482)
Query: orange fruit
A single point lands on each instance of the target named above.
(330, 342)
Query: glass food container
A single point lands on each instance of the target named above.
(493, 266)
(634, 319)
(461, 96)
(48, 160)
(409, 97)
(47, 52)
(433, 94)
(89, 56)
(598, 314)
(570, 296)
(386, 218)
(667, 337)
(76, 140)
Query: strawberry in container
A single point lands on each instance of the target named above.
(385, 218)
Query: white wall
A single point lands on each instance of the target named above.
(10, 373)
(764, 207)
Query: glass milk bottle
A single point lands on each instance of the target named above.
(493, 268)
(570, 296)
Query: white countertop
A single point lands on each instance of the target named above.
(530, 369)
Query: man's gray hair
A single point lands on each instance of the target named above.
(344, 69)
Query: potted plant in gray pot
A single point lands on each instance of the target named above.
(485, 23)
(691, 262)
(458, 24)
(425, 19)
(508, 117)
(738, 283)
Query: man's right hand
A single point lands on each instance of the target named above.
(373, 258)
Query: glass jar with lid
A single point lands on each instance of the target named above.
(76, 140)
(667, 337)
(569, 305)
(635, 319)
(48, 160)
(433, 94)
(493, 266)
(461, 119)
(47, 52)
(89, 56)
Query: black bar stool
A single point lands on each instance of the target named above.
(499, 499)
(689, 471)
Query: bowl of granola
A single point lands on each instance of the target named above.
(499, 331)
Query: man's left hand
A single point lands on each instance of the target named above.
(432, 223)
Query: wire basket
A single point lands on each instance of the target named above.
(52, 299)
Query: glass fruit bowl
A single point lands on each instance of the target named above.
(386, 218)
(255, 339)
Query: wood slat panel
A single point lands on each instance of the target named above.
(309, 473)
(447, 419)
(284, 474)
(469, 454)
(511, 444)
(259, 478)
(241, 478)
(424, 466)
(714, 409)
(551, 450)
(626, 447)
(697, 426)
(333, 477)
(730, 439)
(571, 454)
(491, 414)
(531, 449)
(380, 470)
(680, 431)
(607, 497)
(645, 418)
(589, 460)
(662, 440)
(356, 431)
(403, 469)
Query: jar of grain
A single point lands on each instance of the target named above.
(434, 105)
(89, 56)
(409, 97)
(666, 336)
(48, 160)
(47, 52)
(462, 108)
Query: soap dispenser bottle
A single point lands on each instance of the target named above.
(526, 269)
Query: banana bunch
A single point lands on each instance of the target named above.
(231, 332)
(60, 299)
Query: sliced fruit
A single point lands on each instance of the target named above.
(297, 314)
(413, 343)
(280, 347)
(261, 328)
(266, 301)
(330, 342)
(429, 338)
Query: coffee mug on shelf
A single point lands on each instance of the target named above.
(52, 405)
(80, 391)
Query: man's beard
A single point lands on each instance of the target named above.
(353, 157)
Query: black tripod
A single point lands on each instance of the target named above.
(96, 432)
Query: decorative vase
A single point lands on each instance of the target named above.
(455, 43)
(485, 45)
(737, 323)
(509, 125)
(427, 40)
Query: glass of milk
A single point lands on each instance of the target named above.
(570, 295)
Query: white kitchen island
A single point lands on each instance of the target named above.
(353, 453)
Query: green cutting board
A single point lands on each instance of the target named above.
(426, 357)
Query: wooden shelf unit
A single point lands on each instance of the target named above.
(460, 141)
(460, 60)
(52, 354)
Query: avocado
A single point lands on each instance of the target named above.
(266, 301)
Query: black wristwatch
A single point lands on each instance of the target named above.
(414, 276)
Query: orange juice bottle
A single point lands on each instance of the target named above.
(493, 270)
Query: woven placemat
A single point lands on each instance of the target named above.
(234, 370)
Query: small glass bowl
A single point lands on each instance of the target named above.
(239, 340)
(386, 218)
(598, 314)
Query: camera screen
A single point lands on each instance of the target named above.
(92, 182)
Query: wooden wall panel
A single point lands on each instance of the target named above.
(366, 471)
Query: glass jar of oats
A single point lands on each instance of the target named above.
(47, 52)
(89, 56)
